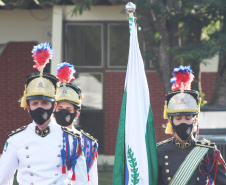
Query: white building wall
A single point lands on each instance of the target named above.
(210, 65)
(212, 119)
(25, 25)
(97, 13)
(46, 25)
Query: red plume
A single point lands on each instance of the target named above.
(182, 74)
(65, 72)
(41, 54)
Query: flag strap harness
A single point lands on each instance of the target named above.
(187, 168)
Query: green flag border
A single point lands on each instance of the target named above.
(120, 153)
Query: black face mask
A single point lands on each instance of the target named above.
(183, 130)
(40, 115)
(64, 117)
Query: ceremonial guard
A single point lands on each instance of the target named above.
(42, 152)
(182, 159)
(69, 100)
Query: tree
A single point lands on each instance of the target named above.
(173, 32)
(218, 37)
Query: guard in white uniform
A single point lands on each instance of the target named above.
(43, 153)
(69, 99)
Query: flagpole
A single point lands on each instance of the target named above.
(135, 155)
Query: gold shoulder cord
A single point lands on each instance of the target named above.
(205, 144)
(88, 135)
(17, 130)
(65, 129)
(165, 141)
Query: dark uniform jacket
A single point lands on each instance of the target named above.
(172, 153)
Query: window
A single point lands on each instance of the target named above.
(83, 43)
(91, 85)
(98, 45)
(118, 44)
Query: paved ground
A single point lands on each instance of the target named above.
(105, 178)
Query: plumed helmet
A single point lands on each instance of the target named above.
(68, 91)
(182, 100)
(40, 85)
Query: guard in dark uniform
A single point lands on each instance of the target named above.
(69, 100)
(182, 159)
(42, 152)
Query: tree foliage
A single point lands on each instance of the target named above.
(178, 32)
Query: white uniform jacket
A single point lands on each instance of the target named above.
(38, 159)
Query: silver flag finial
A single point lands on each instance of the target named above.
(130, 8)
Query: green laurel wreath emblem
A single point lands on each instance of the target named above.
(133, 164)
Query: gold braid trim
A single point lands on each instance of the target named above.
(71, 132)
(69, 99)
(183, 110)
(205, 143)
(17, 131)
(23, 102)
(88, 135)
(166, 110)
(165, 116)
(41, 94)
(169, 128)
(165, 141)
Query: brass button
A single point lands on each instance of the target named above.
(166, 163)
(197, 178)
(28, 166)
(166, 157)
(31, 174)
(169, 179)
(27, 156)
(26, 147)
(58, 165)
(58, 155)
(167, 170)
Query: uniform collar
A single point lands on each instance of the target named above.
(75, 130)
(50, 127)
(185, 144)
(42, 133)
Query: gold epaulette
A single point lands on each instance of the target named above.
(205, 143)
(88, 135)
(17, 131)
(165, 141)
(71, 132)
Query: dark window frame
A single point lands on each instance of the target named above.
(65, 41)
(105, 47)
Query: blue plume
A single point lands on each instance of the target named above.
(44, 46)
(59, 66)
(183, 69)
(172, 80)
